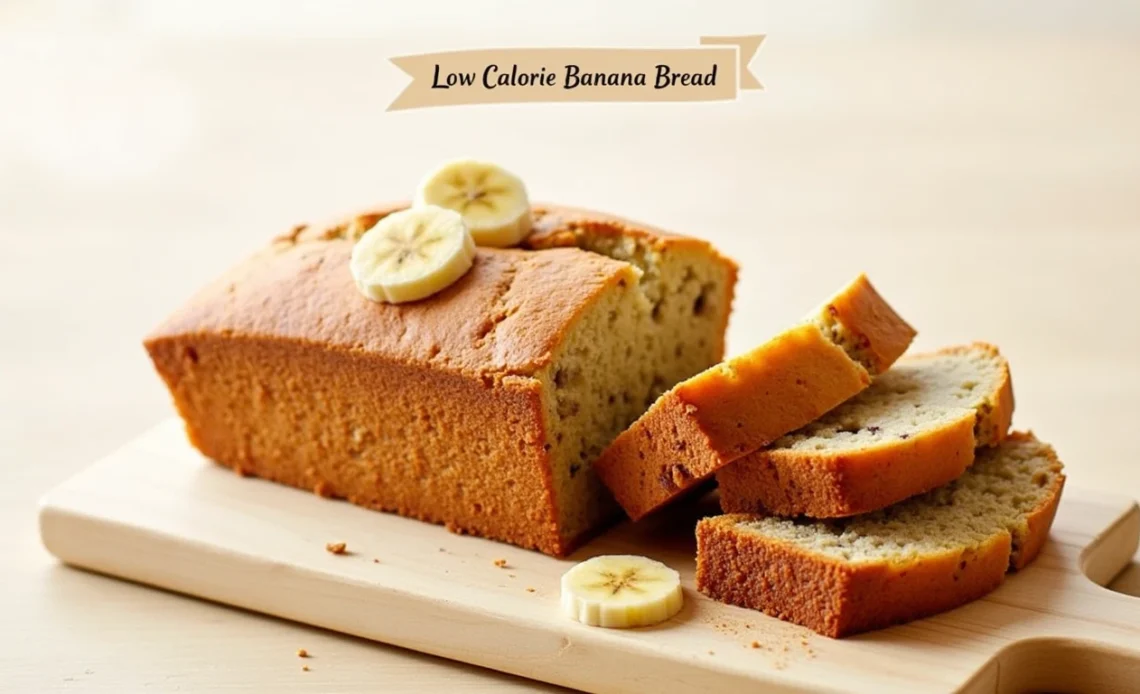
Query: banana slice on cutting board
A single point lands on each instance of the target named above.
(412, 254)
(621, 591)
(492, 200)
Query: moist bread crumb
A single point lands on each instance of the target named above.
(924, 555)
(916, 427)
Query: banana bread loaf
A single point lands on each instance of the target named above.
(482, 407)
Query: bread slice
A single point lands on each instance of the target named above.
(481, 407)
(746, 402)
(922, 556)
(914, 429)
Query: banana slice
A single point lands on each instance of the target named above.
(492, 200)
(621, 590)
(412, 254)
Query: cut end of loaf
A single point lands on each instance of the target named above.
(916, 558)
(621, 355)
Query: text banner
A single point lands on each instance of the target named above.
(715, 71)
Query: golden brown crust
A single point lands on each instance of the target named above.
(505, 316)
(742, 569)
(563, 226)
(831, 597)
(433, 410)
(736, 407)
(833, 484)
(827, 484)
(837, 598)
(881, 334)
(378, 433)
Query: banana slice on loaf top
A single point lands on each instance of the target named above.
(915, 428)
(492, 200)
(412, 254)
(749, 401)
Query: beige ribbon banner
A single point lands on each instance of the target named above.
(715, 71)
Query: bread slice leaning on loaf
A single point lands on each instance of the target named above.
(925, 555)
(735, 407)
(914, 429)
(481, 407)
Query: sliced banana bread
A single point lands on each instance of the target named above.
(481, 407)
(746, 402)
(919, 557)
(914, 429)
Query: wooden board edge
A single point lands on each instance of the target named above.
(409, 620)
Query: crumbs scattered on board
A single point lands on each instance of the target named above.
(501, 563)
(336, 548)
(781, 643)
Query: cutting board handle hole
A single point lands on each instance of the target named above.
(1108, 560)
(1061, 665)
(1127, 582)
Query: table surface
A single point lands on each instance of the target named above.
(985, 176)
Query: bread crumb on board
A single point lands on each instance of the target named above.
(302, 653)
(375, 560)
(529, 589)
(501, 563)
(304, 668)
(336, 548)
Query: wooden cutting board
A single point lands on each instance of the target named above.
(158, 513)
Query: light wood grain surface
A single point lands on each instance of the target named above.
(982, 166)
(154, 511)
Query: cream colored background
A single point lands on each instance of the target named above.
(983, 165)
